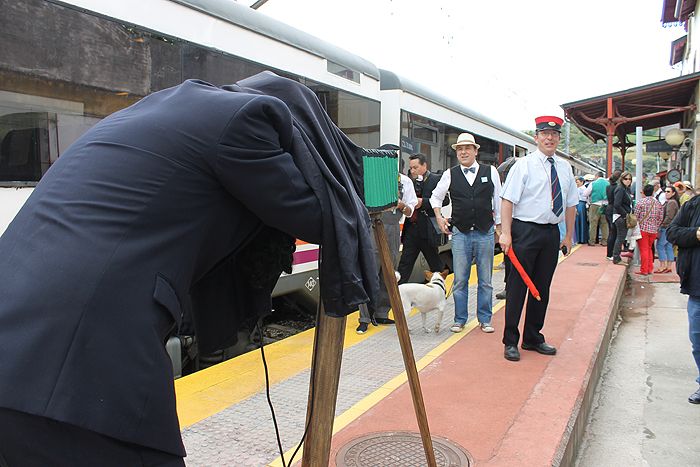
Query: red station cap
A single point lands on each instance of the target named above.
(548, 122)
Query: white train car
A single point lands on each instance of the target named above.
(427, 122)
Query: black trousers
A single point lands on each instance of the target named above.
(32, 441)
(413, 244)
(612, 235)
(620, 226)
(537, 248)
(507, 269)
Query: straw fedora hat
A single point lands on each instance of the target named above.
(465, 139)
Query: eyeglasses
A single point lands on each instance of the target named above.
(627, 178)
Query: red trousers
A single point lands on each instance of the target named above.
(645, 253)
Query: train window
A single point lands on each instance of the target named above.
(55, 83)
(507, 151)
(424, 133)
(343, 71)
(23, 147)
(358, 117)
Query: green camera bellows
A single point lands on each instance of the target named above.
(381, 177)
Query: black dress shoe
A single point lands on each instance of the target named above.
(384, 321)
(501, 295)
(511, 353)
(694, 398)
(543, 348)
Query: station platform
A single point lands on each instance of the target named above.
(481, 408)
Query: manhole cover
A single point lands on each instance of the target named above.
(399, 448)
(588, 264)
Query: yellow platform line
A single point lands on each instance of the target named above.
(209, 391)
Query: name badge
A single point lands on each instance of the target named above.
(484, 179)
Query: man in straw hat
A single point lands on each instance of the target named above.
(538, 194)
(474, 190)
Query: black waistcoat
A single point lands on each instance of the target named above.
(471, 204)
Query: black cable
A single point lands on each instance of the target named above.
(267, 391)
(311, 383)
(311, 380)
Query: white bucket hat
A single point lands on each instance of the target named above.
(465, 139)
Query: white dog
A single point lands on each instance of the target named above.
(425, 297)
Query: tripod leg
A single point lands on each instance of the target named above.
(404, 339)
(323, 391)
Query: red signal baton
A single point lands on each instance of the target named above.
(528, 282)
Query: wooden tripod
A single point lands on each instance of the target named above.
(325, 369)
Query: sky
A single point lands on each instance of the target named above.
(510, 60)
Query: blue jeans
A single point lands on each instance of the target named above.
(694, 328)
(466, 247)
(663, 247)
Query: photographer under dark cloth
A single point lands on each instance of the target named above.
(152, 214)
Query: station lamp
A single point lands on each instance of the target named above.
(674, 137)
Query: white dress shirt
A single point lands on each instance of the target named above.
(443, 187)
(528, 187)
(409, 197)
(582, 196)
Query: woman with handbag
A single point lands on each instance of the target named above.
(622, 207)
(663, 247)
(650, 214)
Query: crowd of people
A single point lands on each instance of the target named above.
(603, 217)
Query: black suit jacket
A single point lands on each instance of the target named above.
(424, 225)
(146, 217)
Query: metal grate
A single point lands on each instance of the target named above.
(588, 264)
(390, 449)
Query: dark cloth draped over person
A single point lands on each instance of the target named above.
(186, 203)
(332, 166)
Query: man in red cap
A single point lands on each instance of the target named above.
(538, 193)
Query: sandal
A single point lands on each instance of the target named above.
(660, 271)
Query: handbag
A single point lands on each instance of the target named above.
(631, 220)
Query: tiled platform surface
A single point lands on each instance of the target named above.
(503, 413)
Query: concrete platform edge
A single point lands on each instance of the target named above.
(571, 440)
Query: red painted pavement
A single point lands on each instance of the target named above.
(512, 413)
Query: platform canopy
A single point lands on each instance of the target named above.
(619, 113)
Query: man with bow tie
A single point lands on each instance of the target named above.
(475, 193)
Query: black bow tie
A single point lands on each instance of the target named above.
(470, 169)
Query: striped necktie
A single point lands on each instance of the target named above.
(557, 204)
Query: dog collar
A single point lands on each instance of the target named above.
(442, 286)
